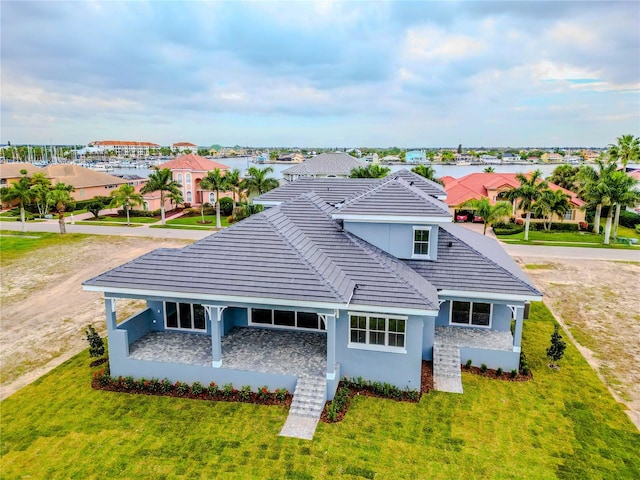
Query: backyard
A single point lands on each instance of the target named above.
(561, 424)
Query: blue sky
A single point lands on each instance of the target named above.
(321, 73)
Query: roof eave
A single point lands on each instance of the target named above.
(514, 297)
(419, 219)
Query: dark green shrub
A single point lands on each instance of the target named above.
(140, 213)
(483, 367)
(468, 364)
(96, 344)
(281, 394)
(129, 382)
(411, 394)
(154, 385)
(524, 365)
(165, 386)
(182, 389)
(226, 206)
(514, 373)
(197, 388)
(245, 392)
(556, 350)
(499, 371)
(507, 228)
(629, 219)
(227, 390)
(213, 389)
(263, 393)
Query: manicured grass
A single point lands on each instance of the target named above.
(123, 219)
(17, 219)
(183, 227)
(16, 244)
(578, 237)
(562, 424)
(195, 220)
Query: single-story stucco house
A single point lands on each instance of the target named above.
(325, 165)
(338, 277)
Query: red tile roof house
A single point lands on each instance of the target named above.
(189, 170)
(494, 186)
(184, 147)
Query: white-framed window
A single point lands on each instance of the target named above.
(187, 178)
(377, 332)
(421, 242)
(476, 314)
(568, 215)
(212, 198)
(189, 199)
(179, 179)
(286, 319)
(184, 316)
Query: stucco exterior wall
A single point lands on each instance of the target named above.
(394, 238)
(500, 317)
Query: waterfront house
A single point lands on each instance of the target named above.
(331, 165)
(184, 147)
(415, 156)
(124, 148)
(189, 170)
(338, 277)
(87, 183)
(495, 187)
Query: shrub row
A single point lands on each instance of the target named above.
(140, 213)
(103, 381)
(629, 219)
(507, 228)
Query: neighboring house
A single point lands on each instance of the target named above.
(10, 173)
(495, 186)
(551, 157)
(87, 183)
(189, 170)
(335, 164)
(415, 156)
(510, 158)
(124, 148)
(325, 285)
(184, 147)
(291, 157)
(371, 158)
(489, 159)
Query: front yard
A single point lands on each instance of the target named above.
(574, 239)
(562, 424)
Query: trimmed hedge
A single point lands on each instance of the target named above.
(629, 219)
(507, 228)
(140, 213)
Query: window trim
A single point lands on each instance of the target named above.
(413, 242)
(470, 325)
(321, 321)
(374, 347)
(181, 329)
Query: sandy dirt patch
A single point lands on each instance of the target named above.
(597, 302)
(44, 310)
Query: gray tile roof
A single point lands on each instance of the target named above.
(394, 196)
(427, 186)
(292, 252)
(331, 190)
(336, 163)
(473, 263)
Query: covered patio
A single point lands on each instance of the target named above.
(475, 338)
(252, 349)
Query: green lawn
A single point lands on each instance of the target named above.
(16, 244)
(108, 224)
(562, 424)
(572, 239)
(194, 221)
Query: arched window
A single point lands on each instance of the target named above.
(179, 178)
(146, 206)
(189, 196)
(212, 198)
(187, 178)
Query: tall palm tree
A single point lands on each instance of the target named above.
(426, 171)
(559, 203)
(162, 181)
(528, 193)
(214, 181)
(551, 202)
(373, 170)
(60, 198)
(258, 181)
(626, 150)
(623, 194)
(594, 187)
(489, 213)
(21, 192)
(126, 197)
(233, 182)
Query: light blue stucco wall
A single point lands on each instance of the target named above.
(500, 319)
(394, 238)
(428, 334)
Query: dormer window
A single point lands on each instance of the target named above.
(421, 242)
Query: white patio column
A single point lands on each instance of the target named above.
(110, 307)
(330, 321)
(215, 317)
(518, 316)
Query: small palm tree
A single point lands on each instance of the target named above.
(40, 186)
(489, 213)
(126, 197)
(21, 192)
(559, 202)
(426, 171)
(258, 181)
(162, 181)
(60, 198)
(372, 170)
(626, 150)
(489, 170)
(175, 198)
(622, 193)
(233, 182)
(528, 193)
(214, 181)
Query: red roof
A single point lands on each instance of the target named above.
(193, 162)
(477, 185)
(184, 144)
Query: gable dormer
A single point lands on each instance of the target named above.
(396, 216)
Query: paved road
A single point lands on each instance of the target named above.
(572, 252)
(145, 231)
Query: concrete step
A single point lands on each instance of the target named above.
(308, 397)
